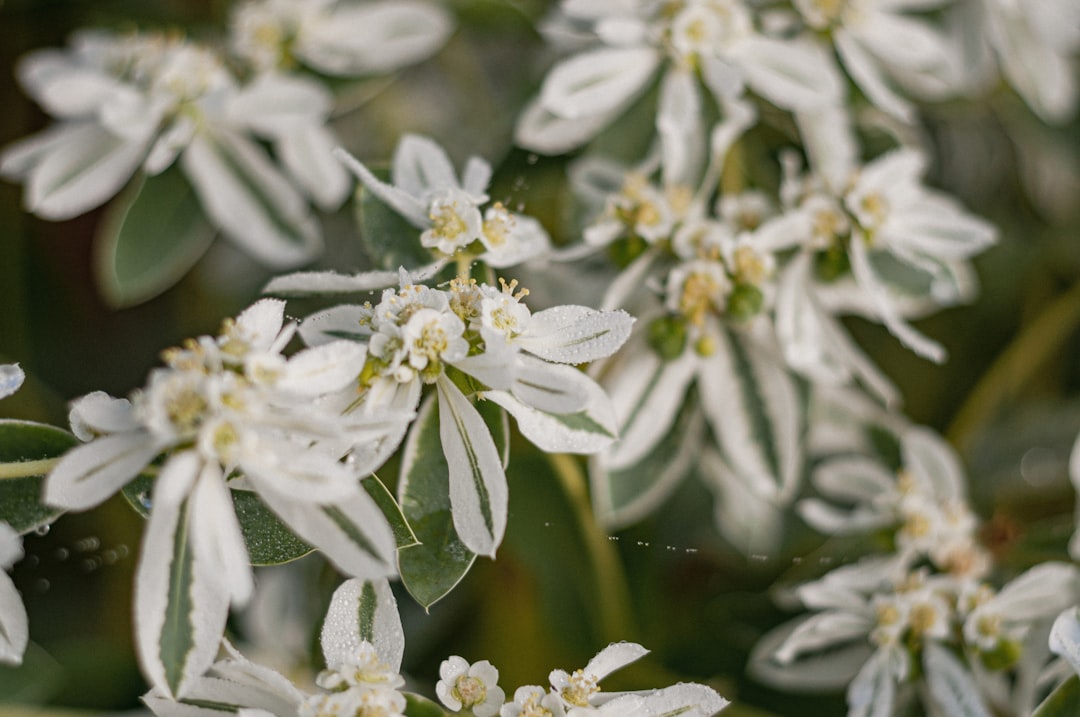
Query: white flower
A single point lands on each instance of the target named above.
(633, 41)
(14, 632)
(338, 37)
(228, 412)
(582, 687)
(1034, 596)
(533, 701)
(462, 686)
(875, 38)
(145, 101)
(11, 378)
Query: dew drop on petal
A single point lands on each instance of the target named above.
(43, 529)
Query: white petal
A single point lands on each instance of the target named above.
(63, 87)
(215, 535)
(329, 282)
(527, 239)
(358, 605)
(80, 170)
(575, 334)
(422, 167)
(678, 122)
(791, 75)
(325, 368)
(933, 461)
(598, 82)
(1038, 593)
(478, 491)
(335, 324)
(311, 476)
(11, 550)
(275, 105)
(308, 153)
(951, 684)
(88, 474)
(854, 479)
(1065, 637)
(476, 177)
(885, 307)
(261, 322)
(864, 70)
(613, 657)
(831, 670)
(822, 630)
(14, 630)
(353, 533)
(542, 131)
(375, 37)
(552, 388)
(1074, 478)
(246, 196)
(873, 691)
(11, 377)
(408, 206)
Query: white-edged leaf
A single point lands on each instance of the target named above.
(334, 324)
(216, 538)
(542, 131)
(575, 334)
(323, 369)
(613, 657)
(684, 700)
(422, 167)
(11, 377)
(329, 282)
(363, 611)
(14, 629)
(181, 603)
(873, 691)
(431, 569)
(245, 195)
(951, 684)
(351, 532)
(478, 491)
(88, 474)
(813, 672)
(408, 206)
(756, 414)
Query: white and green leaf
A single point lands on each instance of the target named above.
(363, 611)
(27, 451)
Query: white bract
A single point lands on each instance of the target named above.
(229, 412)
(426, 191)
(880, 45)
(337, 37)
(11, 378)
(418, 336)
(14, 631)
(474, 687)
(634, 41)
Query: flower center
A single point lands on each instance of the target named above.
(579, 690)
(470, 691)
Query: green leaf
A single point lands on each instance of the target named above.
(27, 451)
(1062, 702)
(418, 706)
(430, 570)
(390, 239)
(499, 425)
(150, 238)
(269, 541)
(403, 532)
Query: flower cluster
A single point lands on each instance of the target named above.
(926, 614)
(477, 339)
(229, 413)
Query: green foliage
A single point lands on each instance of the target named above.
(390, 240)
(27, 452)
(1062, 702)
(151, 236)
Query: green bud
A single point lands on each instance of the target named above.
(832, 263)
(622, 252)
(667, 336)
(1004, 655)
(744, 302)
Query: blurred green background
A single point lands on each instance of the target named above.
(1009, 396)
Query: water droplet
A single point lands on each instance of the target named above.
(531, 159)
(122, 550)
(87, 545)
(42, 529)
(825, 560)
(144, 499)
(797, 560)
(691, 550)
(42, 585)
(759, 558)
(89, 565)
(110, 557)
(61, 554)
(547, 523)
(613, 537)
(31, 561)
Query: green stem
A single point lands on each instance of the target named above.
(612, 594)
(1024, 359)
(25, 469)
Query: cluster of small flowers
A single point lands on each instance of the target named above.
(926, 614)
(363, 677)
(145, 100)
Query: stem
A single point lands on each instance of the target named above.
(26, 469)
(1021, 361)
(612, 595)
